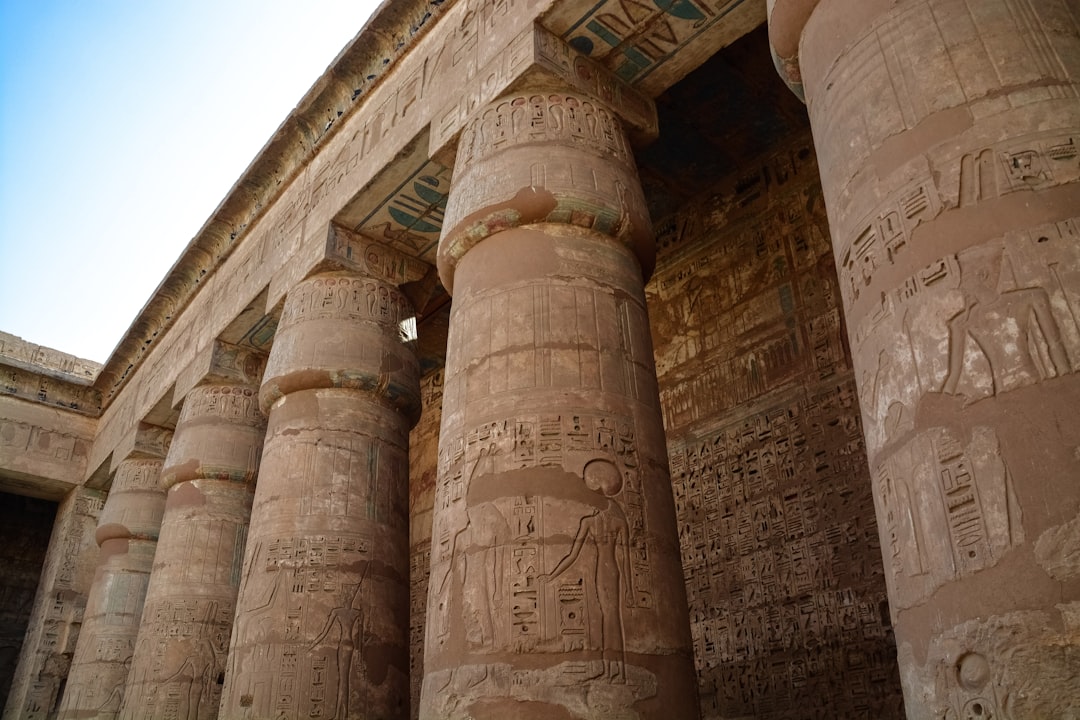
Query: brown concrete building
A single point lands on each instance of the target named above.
(620, 359)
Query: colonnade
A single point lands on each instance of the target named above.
(947, 136)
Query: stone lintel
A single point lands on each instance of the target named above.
(47, 388)
(220, 362)
(43, 450)
(43, 360)
(147, 441)
(347, 250)
(533, 58)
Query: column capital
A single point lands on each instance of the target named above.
(544, 154)
(219, 435)
(135, 503)
(788, 18)
(343, 330)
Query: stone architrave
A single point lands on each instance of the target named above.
(556, 588)
(127, 534)
(948, 135)
(322, 620)
(209, 478)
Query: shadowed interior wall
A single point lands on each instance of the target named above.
(25, 525)
(780, 545)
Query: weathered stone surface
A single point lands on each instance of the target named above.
(16, 352)
(59, 606)
(183, 640)
(423, 474)
(322, 623)
(127, 534)
(43, 450)
(948, 136)
(556, 589)
(779, 544)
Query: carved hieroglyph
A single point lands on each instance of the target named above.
(322, 621)
(209, 474)
(555, 588)
(949, 134)
(423, 469)
(772, 490)
(127, 533)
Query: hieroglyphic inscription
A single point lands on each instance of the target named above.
(515, 328)
(776, 516)
(851, 112)
(948, 509)
(297, 578)
(45, 443)
(552, 598)
(43, 360)
(229, 402)
(342, 474)
(373, 259)
(188, 641)
(737, 320)
(988, 320)
(333, 297)
(782, 562)
(884, 240)
(42, 388)
(543, 117)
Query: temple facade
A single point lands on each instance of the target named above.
(616, 360)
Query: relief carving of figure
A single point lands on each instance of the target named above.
(607, 533)
(484, 539)
(1015, 330)
(348, 621)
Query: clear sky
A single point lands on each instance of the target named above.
(123, 123)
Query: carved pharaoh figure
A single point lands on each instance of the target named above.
(1015, 330)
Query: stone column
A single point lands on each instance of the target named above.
(556, 586)
(127, 534)
(209, 477)
(948, 134)
(322, 621)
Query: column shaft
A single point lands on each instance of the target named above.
(556, 587)
(322, 615)
(949, 140)
(127, 534)
(209, 474)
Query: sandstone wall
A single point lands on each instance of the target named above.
(779, 541)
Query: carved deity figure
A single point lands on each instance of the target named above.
(1012, 329)
(607, 532)
(198, 669)
(348, 621)
(486, 533)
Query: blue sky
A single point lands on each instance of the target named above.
(123, 123)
